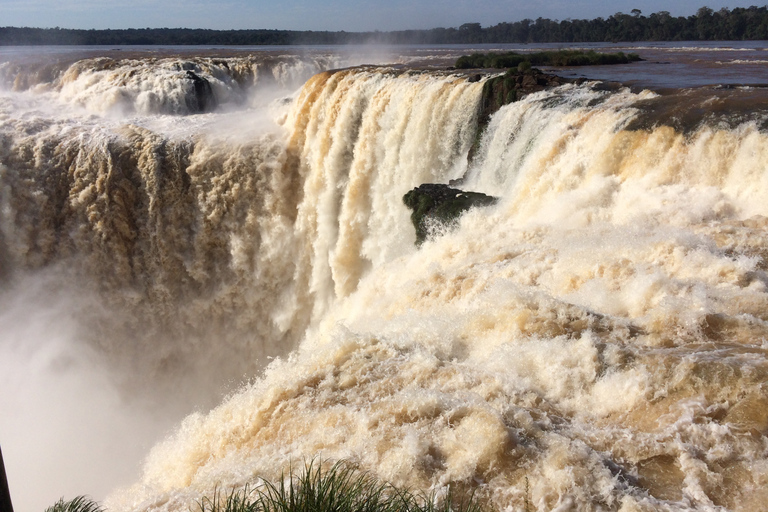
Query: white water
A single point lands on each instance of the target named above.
(600, 331)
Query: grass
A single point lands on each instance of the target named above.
(341, 488)
(546, 58)
(79, 504)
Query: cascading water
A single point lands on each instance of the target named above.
(160, 85)
(138, 255)
(597, 333)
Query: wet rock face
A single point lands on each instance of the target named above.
(509, 87)
(513, 85)
(436, 207)
(203, 99)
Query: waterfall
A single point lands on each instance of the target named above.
(598, 332)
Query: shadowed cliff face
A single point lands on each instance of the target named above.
(203, 100)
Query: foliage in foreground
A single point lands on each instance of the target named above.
(79, 504)
(546, 58)
(340, 488)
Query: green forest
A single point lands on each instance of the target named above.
(736, 24)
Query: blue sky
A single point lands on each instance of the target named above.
(349, 15)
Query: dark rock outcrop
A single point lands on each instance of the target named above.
(203, 99)
(511, 86)
(436, 206)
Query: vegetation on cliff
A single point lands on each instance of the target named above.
(546, 58)
(436, 207)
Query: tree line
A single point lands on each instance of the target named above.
(750, 23)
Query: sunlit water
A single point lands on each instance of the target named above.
(599, 333)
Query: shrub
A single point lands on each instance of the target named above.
(546, 58)
(79, 504)
(341, 488)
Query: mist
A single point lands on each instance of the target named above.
(97, 361)
(67, 426)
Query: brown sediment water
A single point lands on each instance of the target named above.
(596, 337)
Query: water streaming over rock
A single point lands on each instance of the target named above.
(599, 332)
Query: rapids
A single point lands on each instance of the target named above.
(599, 333)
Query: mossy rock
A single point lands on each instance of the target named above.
(436, 207)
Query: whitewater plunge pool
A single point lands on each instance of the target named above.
(195, 300)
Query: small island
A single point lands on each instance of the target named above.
(558, 58)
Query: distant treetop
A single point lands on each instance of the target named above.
(740, 23)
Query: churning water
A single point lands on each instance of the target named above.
(599, 332)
